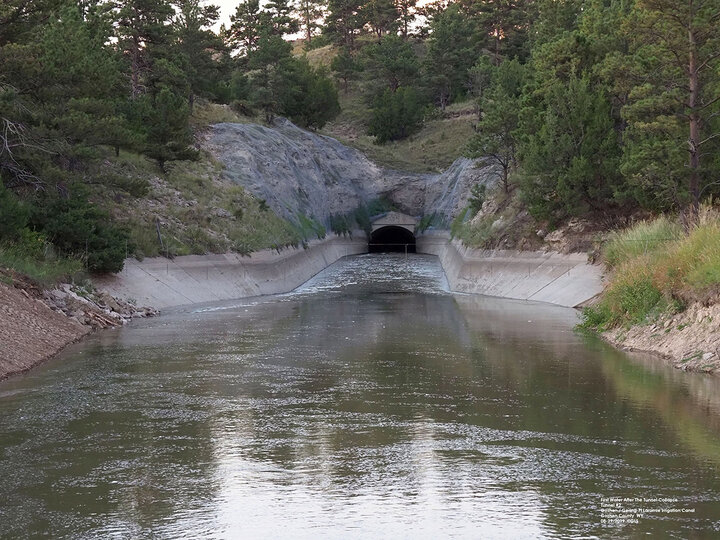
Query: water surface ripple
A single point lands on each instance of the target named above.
(369, 403)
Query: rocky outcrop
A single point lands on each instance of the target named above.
(299, 173)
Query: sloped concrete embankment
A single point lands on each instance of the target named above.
(554, 278)
(196, 279)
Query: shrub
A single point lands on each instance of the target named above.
(77, 227)
(396, 115)
(13, 215)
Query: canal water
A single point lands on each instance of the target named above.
(370, 403)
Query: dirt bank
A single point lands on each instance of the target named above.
(689, 341)
(36, 324)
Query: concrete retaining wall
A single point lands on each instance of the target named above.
(564, 280)
(193, 279)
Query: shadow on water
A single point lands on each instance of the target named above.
(368, 402)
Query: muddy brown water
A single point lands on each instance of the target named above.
(370, 403)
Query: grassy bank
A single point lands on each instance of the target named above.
(657, 269)
(439, 142)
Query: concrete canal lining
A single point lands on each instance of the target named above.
(554, 278)
(195, 279)
(564, 280)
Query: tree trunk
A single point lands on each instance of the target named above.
(694, 128)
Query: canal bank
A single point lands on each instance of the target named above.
(564, 280)
(567, 280)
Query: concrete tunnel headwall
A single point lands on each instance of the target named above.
(391, 239)
(392, 232)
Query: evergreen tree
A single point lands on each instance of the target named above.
(381, 16)
(310, 12)
(570, 161)
(396, 115)
(407, 14)
(197, 46)
(281, 12)
(244, 31)
(452, 49)
(497, 131)
(674, 107)
(345, 67)
(343, 22)
(391, 63)
(142, 26)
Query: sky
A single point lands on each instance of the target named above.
(227, 8)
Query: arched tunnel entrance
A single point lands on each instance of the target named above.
(391, 238)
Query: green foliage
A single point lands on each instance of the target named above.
(452, 49)
(672, 107)
(391, 63)
(657, 269)
(345, 67)
(13, 215)
(77, 228)
(396, 115)
(644, 238)
(477, 198)
(46, 269)
(457, 223)
(570, 161)
(499, 109)
(308, 96)
(166, 120)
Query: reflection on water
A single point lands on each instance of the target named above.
(369, 403)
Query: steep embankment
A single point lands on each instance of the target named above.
(663, 292)
(302, 175)
(37, 323)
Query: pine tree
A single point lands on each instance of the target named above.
(244, 31)
(497, 131)
(391, 63)
(196, 44)
(452, 49)
(407, 14)
(310, 12)
(343, 22)
(142, 26)
(381, 16)
(281, 12)
(672, 116)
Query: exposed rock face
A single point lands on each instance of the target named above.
(301, 173)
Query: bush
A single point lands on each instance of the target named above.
(396, 115)
(78, 228)
(307, 96)
(13, 215)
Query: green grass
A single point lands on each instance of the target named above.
(198, 210)
(206, 114)
(645, 237)
(656, 270)
(433, 148)
(47, 270)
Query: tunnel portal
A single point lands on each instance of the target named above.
(392, 238)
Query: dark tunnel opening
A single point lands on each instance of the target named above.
(392, 239)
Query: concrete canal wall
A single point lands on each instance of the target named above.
(194, 279)
(565, 280)
(554, 278)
